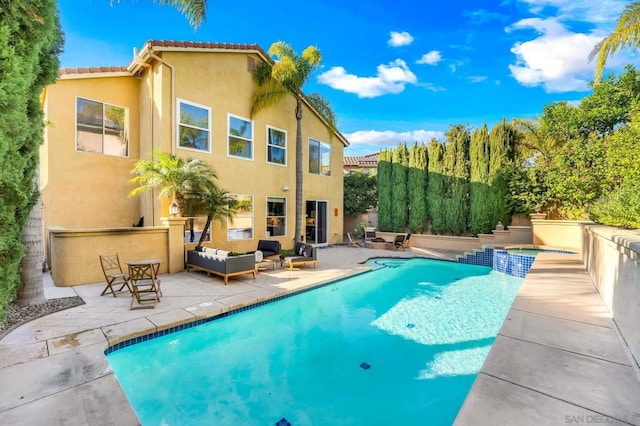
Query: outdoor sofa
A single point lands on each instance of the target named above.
(302, 253)
(219, 262)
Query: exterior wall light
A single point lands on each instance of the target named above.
(174, 210)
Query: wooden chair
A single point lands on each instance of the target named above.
(352, 242)
(113, 274)
(145, 285)
(398, 242)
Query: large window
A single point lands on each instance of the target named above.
(319, 158)
(102, 128)
(276, 146)
(240, 137)
(241, 226)
(276, 217)
(194, 126)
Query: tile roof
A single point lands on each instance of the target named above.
(362, 160)
(206, 45)
(67, 71)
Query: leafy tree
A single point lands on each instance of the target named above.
(436, 187)
(480, 205)
(30, 41)
(503, 139)
(216, 203)
(359, 192)
(176, 178)
(456, 170)
(385, 191)
(287, 75)
(619, 208)
(626, 34)
(399, 165)
(417, 187)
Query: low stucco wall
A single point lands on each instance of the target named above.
(612, 259)
(75, 252)
(513, 236)
(565, 234)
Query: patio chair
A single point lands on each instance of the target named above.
(352, 242)
(113, 274)
(145, 285)
(398, 242)
(302, 253)
(406, 240)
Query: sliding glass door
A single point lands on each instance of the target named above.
(316, 222)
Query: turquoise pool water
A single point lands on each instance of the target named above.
(398, 345)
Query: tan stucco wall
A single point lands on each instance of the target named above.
(75, 252)
(222, 83)
(85, 190)
(565, 234)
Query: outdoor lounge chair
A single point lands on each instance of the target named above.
(352, 242)
(406, 240)
(113, 274)
(398, 242)
(302, 253)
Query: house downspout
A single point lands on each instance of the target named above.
(149, 68)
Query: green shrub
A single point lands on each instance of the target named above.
(619, 208)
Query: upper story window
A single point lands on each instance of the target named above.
(102, 128)
(276, 146)
(241, 226)
(319, 158)
(240, 137)
(194, 126)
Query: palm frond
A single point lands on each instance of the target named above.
(321, 105)
(280, 50)
(626, 34)
(194, 10)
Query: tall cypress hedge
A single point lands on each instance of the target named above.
(502, 139)
(385, 191)
(456, 168)
(30, 41)
(436, 187)
(480, 201)
(417, 188)
(399, 166)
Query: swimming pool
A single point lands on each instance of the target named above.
(398, 345)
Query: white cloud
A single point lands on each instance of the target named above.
(430, 58)
(391, 78)
(557, 59)
(594, 11)
(477, 78)
(400, 39)
(391, 138)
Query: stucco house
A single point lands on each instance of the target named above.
(193, 100)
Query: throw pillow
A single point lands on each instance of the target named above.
(259, 256)
(301, 250)
(307, 251)
(210, 250)
(222, 253)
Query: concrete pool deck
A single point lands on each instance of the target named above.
(557, 354)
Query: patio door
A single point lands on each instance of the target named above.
(316, 222)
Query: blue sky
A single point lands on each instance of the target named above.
(392, 70)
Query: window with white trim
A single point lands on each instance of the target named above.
(102, 128)
(240, 137)
(276, 216)
(319, 158)
(194, 126)
(276, 146)
(241, 226)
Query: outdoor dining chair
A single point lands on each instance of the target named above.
(113, 274)
(352, 242)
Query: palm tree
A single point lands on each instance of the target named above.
(287, 75)
(216, 204)
(626, 34)
(176, 178)
(193, 10)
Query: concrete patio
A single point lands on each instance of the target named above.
(557, 355)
